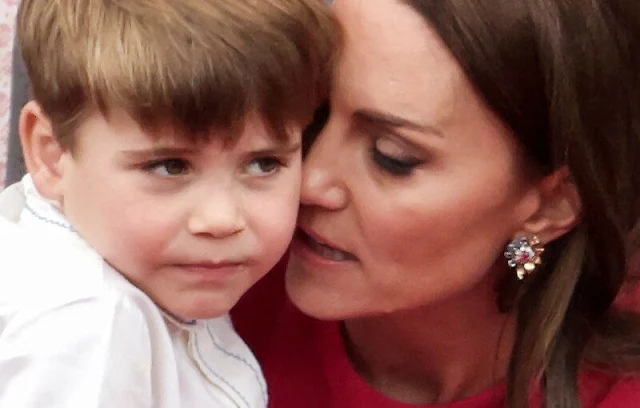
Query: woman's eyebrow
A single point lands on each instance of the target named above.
(393, 121)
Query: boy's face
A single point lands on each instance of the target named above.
(192, 225)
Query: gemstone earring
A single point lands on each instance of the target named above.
(523, 254)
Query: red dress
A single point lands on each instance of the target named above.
(306, 364)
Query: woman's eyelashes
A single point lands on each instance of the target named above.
(394, 158)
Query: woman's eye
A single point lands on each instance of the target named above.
(393, 159)
(264, 166)
(169, 167)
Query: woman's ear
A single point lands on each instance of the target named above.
(560, 207)
(42, 152)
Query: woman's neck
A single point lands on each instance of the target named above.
(438, 354)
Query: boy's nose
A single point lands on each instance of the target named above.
(218, 217)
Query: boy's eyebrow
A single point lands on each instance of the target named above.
(280, 149)
(168, 151)
(160, 151)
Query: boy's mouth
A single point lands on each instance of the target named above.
(212, 272)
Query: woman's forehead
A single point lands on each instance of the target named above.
(392, 60)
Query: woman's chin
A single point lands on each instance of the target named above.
(313, 297)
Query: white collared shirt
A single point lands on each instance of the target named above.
(75, 333)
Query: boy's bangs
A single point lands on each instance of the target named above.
(196, 65)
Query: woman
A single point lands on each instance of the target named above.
(461, 132)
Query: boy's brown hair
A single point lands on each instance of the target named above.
(195, 65)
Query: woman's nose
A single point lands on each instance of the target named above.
(322, 172)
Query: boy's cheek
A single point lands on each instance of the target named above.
(275, 228)
(274, 214)
(135, 240)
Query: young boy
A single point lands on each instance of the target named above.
(163, 150)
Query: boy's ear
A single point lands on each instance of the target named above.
(43, 155)
(560, 207)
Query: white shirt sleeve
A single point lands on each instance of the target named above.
(87, 354)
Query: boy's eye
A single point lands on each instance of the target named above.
(169, 167)
(264, 166)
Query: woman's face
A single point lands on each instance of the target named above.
(414, 187)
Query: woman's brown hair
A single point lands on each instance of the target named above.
(565, 77)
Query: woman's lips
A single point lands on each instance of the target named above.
(322, 247)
